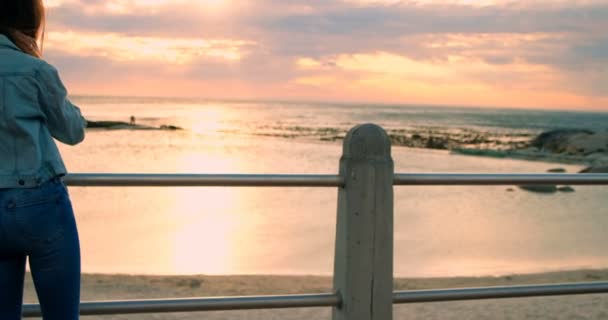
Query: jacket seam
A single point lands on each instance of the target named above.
(6, 121)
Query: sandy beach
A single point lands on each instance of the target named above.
(117, 287)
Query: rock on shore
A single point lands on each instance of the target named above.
(572, 142)
(589, 146)
(119, 125)
(596, 169)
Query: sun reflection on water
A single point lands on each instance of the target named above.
(209, 121)
(209, 230)
(210, 221)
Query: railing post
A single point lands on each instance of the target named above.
(363, 265)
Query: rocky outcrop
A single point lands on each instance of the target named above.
(118, 125)
(426, 142)
(540, 188)
(548, 189)
(567, 189)
(572, 142)
(169, 127)
(572, 146)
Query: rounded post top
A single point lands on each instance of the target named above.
(367, 141)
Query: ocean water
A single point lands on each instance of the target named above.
(439, 231)
(253, 117)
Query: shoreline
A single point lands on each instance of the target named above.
(97, 287)
(108, 286)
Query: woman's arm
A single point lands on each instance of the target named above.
(64, 120)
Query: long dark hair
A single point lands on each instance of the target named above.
(22, 21)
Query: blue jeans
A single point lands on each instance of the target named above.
(39, 223)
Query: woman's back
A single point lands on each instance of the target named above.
(33, 109)
(37, 222)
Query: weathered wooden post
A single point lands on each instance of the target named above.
(363, 265)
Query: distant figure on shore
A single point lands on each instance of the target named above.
(36, 216)
(132, 122)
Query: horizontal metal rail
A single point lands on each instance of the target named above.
(416, 296)
(323, 300)
(202, 180)
(426, 179)
(247, 180)
(198, 304)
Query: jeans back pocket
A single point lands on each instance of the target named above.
(39, 214)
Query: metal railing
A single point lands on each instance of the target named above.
(327, 180)
(199, 304)
(202, 180)
(363, 278)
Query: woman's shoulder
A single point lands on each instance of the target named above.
(12, 61)
(48, 76)
(15, 63)
(18, 63)
(45, 70)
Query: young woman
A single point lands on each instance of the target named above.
(36, 217)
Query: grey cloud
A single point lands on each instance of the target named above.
(597, 50)
(339, 18)
(398, 20)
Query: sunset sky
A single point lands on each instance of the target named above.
(534, 53)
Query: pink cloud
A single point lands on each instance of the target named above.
(542, 53)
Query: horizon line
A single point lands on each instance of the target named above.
(346, 102)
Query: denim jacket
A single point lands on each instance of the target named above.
(34, 109)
